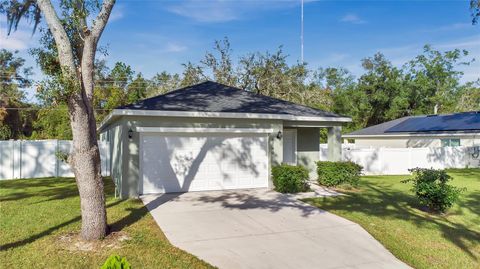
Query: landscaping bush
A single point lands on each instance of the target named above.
(115, 262)
(290, 178)
(431, 188)
(333, 174)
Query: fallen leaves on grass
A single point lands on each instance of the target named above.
(74, 243)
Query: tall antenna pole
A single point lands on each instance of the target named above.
(301, 36)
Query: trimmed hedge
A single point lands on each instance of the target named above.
(332, 174)
(290, 178)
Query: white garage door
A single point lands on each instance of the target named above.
(183, 162)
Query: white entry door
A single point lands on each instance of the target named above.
(184, 162)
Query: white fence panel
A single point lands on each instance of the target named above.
(37, 158)
(420, 158)
(7, 159)
(397, 161)
(368, 158)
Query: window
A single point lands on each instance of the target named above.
(451, 142)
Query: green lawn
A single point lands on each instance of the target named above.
(387, 210)
(38, 215)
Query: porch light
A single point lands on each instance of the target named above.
(130, 133)
(279, 135)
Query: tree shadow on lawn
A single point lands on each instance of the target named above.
(51, 188)
(472, 203)
(388, 203)
(134, 215)
(137, 213)
(464, 172)
(57, 189)
(48, 231)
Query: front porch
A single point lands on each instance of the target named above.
(301, 144)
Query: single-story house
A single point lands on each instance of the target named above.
(449, 130)
(211, 136)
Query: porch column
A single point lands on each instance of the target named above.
(335, 143)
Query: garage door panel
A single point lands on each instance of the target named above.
(191, 162)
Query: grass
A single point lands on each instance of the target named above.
(36, 213)
(389, 212)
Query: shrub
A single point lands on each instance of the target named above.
(332, 174)
(115, 262)
(290, 178)
(431, 188)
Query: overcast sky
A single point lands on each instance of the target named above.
(156, 35)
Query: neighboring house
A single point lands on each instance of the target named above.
(211, 136)
(450, 130)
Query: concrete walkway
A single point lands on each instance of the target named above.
(264, 229)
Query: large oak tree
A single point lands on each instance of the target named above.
(75, 42)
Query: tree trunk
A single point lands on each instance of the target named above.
(85, 158)
(85, 161)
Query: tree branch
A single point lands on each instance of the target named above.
(90, 48)
(102, 19)
(65, 52)
(82, 21)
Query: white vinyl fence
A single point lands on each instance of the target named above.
(397, 161)
(38, 158)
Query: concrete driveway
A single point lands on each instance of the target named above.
(264, 229)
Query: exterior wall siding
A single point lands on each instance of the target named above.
(388, 143)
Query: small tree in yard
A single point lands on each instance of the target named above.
(67, 57)
(431, 188)
(116, 262)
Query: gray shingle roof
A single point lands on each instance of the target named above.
(457, 122)
(215, 97)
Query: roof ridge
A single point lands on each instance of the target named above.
(232, 87)
(272, 98)
(218, 97)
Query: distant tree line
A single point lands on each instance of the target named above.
(429, 82)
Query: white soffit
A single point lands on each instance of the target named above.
(127, 112)
(201, 130)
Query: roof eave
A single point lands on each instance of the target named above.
(353, 136)
(232, 115)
